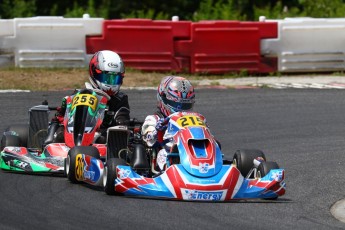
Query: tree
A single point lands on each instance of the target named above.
(17, 8)
(323, 8)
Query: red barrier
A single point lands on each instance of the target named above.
(203, 47)
(227, 46)
(142, 43)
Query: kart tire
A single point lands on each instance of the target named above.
(110, 176)
(265, 167)
(9, 140)
(22, 131)
(71, 160)
(244, 158)
(139, 159)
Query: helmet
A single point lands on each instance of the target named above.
(106, 71)
(175, 94)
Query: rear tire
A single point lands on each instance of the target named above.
(9, 140)
(73, 162)
(22, 132)
(244, 158)
(139, 159)
(110, 175)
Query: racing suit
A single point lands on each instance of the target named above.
(154, 133)
(117, 105)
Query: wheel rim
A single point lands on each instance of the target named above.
(105, 176)
(68, 162)
(234, 162)
(258, 174)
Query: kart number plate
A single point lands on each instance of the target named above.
(85, 99)
(190, 121)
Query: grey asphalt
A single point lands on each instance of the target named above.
(302, 129)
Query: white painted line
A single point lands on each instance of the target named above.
(14, 91)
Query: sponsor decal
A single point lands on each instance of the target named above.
(151, 135)
(89, 175)
(203, 167)
(65, 148)
(112, 65)
(277, 175)
(13, 149)
(17, 149)
(20, 164)
(123, 173)
(162, 157)
(202, 195)
(70, 120)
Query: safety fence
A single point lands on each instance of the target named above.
(217, 47)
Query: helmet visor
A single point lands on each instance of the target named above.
(109, 78)
(179, 106)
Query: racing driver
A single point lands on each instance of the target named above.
(106, 70)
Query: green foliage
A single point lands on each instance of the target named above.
(277, 11)
(77, 11)
(217, 10)
(323, 8)
(17, 8)
(150, 14)
(186, 10)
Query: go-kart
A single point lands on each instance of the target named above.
(22, 146)
(196, 168)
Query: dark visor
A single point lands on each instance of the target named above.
(178, 105)
(109, 78)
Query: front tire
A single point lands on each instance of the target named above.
(110, 175)
(244, 158)
(73, 163)
(265, 167)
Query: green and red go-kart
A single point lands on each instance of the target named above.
(22, 147)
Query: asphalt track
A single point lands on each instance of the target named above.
(302, 129)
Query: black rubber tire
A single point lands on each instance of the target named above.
(139, 159)
(244, 159)
(9, 140)
(70, 170)
(110, 175)
(23, 133)
(265, 167)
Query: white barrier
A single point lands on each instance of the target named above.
(308, 44)
(303, 44)
(47, 41)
